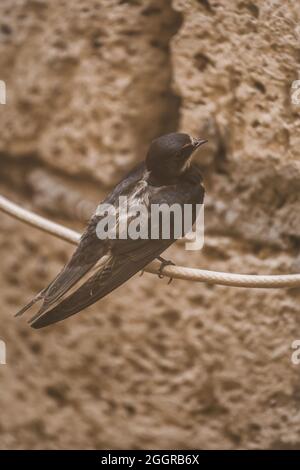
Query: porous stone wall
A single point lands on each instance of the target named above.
(89, 84)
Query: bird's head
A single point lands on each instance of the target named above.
(170, 155)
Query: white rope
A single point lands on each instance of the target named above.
(176, 272)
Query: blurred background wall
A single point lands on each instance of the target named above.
(89, 84)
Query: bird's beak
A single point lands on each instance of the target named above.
(198, 142)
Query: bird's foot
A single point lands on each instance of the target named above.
(163, 264)
(142, 272)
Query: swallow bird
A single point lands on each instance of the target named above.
(166, 176)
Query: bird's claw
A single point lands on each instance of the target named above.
(163, 264)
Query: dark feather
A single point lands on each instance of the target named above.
(116, 272)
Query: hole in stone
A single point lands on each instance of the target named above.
(130, 409)
(171, 316)
(202, 61)
(205, 4)
(260, 86)
(253, 9)
(97, 43)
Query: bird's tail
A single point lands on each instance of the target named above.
(38, 297)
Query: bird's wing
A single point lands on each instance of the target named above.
(117, 270)
(89, 251)
(129, 257)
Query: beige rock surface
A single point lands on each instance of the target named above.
(152, 366)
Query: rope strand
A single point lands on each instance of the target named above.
(176, 272)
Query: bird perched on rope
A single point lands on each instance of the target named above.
(167, 176)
